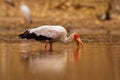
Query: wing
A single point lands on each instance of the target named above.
(50, 32)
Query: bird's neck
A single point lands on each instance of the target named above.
(68, 39)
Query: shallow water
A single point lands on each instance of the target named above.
(29, 61)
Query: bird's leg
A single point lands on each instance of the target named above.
(51, 49)
(46, 42)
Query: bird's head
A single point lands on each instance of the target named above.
(77, 39)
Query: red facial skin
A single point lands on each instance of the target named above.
(76, 36)
(78, 40)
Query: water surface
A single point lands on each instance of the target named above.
(29, 61)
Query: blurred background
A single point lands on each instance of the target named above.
(84, 16)
(96, 21)
(87, 17)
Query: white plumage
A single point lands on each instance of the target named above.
(26, 12)
(49, 31)
(50, 34)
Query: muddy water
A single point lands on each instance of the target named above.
(29, 61)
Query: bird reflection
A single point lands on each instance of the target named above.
(51, 61)
(77, 54)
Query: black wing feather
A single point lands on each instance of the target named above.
(29, 35)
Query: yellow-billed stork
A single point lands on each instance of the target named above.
(50, 34)
(26, 12)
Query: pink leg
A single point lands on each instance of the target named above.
(46, 42)
(51, 49)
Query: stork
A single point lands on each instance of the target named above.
(50, 34)
(26, 12)
(10, 2)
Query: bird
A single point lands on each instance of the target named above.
(50, 34)
(10, 2)
(104, 16)
(26, 12)
(8, 5)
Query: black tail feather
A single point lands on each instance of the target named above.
(27, 35)
(24, 35)
(21, 36)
